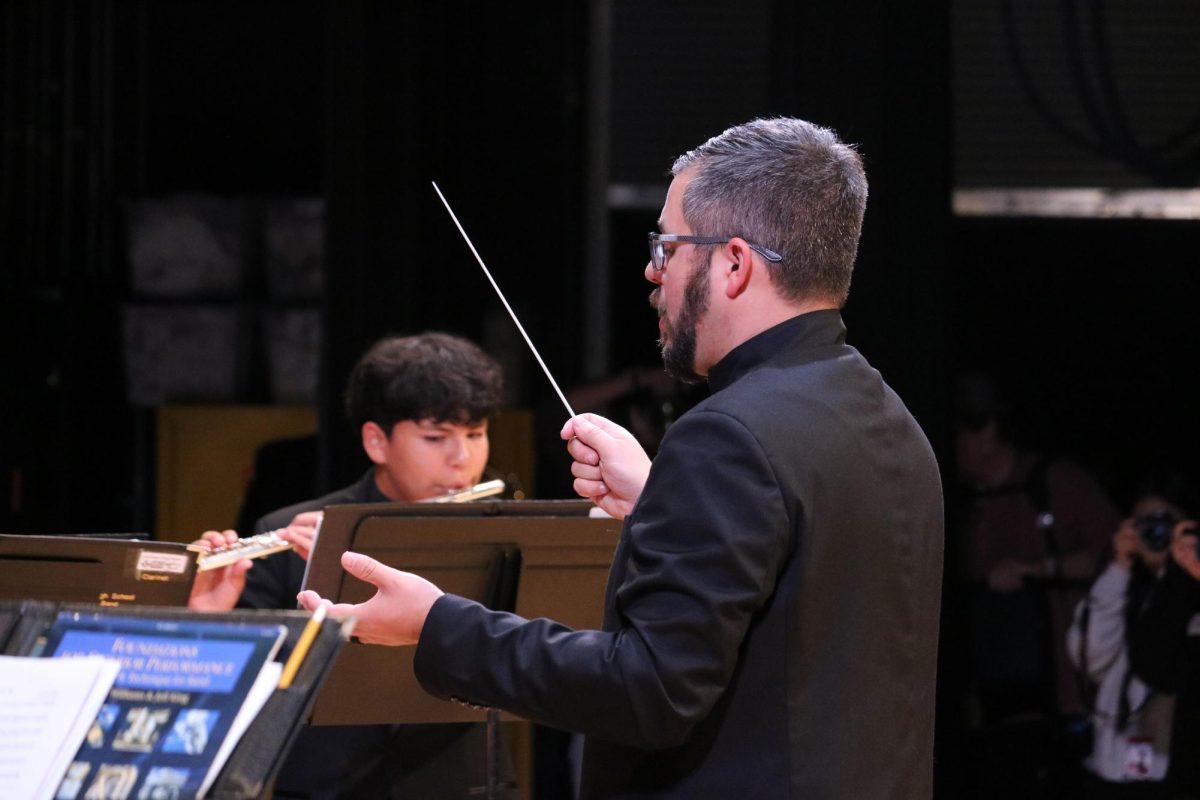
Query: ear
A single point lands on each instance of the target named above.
(374, 442)
(740, 267)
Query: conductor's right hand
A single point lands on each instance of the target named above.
(218, 589)
(610, 467)
(1184, 548)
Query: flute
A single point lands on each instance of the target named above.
(264, 544)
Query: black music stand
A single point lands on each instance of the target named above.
(104, 569)
(546, 558)
(258, 756)
(43, 575)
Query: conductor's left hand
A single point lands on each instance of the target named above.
(397, 612)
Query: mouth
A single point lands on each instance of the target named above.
(659, 308)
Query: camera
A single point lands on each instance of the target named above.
(1155, 529)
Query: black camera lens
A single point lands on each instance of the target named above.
(1155, 529)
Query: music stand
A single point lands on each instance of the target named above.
(43, 575)
(537, 558)
(103, 569)
(260, 753)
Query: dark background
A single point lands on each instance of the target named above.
(363, 103)
(1089, 324)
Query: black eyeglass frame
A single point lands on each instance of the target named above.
(658, 254)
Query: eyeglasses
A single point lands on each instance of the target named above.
(659, 254)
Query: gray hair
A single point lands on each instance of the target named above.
(787, 185)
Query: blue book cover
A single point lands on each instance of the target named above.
(181, 684)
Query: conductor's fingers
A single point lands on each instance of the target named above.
(586, 471)
(589, 425)
(368, 569)
(309, 600)
(590, 489)
(582, 452)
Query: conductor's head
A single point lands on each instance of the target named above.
(761, 223)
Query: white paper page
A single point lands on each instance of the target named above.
(264, 685)
(47, 706)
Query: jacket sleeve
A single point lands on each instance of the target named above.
(1160, 636)
(1105, 634)
(699, 557)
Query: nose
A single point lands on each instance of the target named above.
(458, 453)
(653, 275)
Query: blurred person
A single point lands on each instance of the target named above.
(1035, 531)
(1131, 722)
(1165, 653)
(420, 405)
(1031, 532)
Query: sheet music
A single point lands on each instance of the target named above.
(46, 708)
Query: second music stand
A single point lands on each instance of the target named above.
(536, 558)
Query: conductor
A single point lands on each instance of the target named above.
(771, 617)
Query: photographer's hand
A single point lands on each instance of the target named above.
(1183, 548)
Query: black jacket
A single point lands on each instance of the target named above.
(772, 611)
(1164, 651)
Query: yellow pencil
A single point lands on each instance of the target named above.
(301, 649)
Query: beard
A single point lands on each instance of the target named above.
(678, 340)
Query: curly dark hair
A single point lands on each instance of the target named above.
(428, 376)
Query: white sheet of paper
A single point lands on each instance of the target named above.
(47, 706)
(260, 692)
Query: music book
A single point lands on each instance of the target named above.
(184, 694)
(45, 711)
